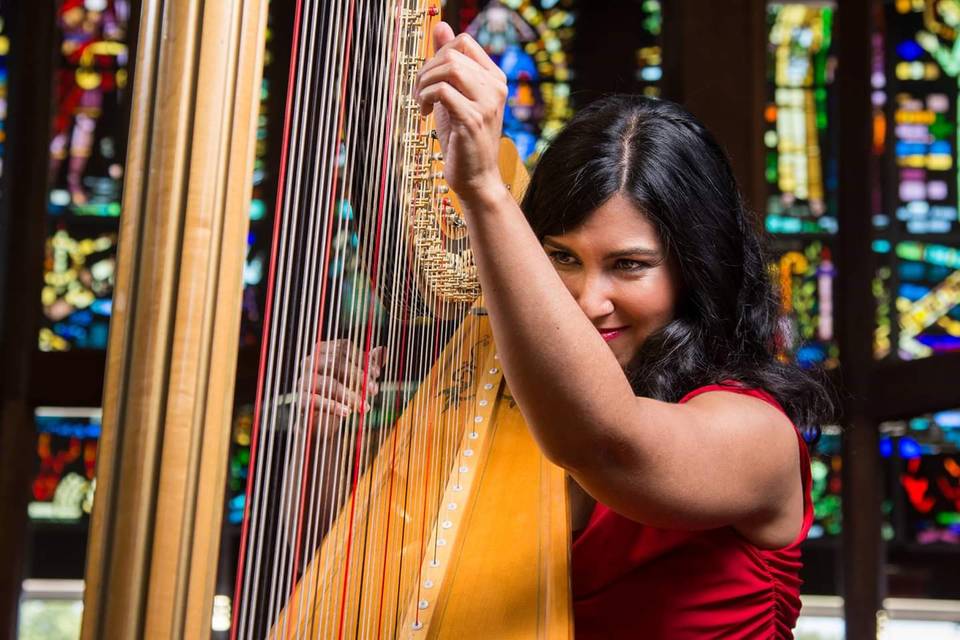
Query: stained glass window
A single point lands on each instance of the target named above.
(650, 49)
(801, 211)
(826, 466)
(86, 156)
(917, 286)
(64, 484)
(924, 458)
(4, 50)
(239, 463)
(261, 213)
(530, 41)
(78, 289)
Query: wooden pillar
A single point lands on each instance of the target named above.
(604, 50)
(714, 58)
(862, 560)
(161, 469)
(22, 234)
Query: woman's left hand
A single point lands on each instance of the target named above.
(466, 91)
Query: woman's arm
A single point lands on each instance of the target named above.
(719, 459)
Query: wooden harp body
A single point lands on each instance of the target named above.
(429, 511)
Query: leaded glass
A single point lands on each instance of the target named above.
(530, 41)
(923, 456)
(801, 211)
(86, 157)
(4, 50)
(826, 466)
(64, 484)
(261, 213)
(917, 287)
(650, 49)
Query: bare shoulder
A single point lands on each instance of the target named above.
(737, 410)
(764, 441)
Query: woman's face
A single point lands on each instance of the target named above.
(617, 270)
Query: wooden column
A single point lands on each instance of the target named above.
(170, 362)
(714, 64)
(863, 577)
(22, 235)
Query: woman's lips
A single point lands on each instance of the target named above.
(610, 334)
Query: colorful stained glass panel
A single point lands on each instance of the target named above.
(801, 161)
(826, 466)
(917, 233)
(801, 212)
(4, 49)
(650, 49)
(64, 484)
(923, 456)
(530, 41)
(86, 159)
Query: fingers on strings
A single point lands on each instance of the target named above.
(334, 377)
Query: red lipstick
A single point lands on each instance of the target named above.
(610, 334)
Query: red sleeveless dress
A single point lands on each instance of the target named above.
(635, 581)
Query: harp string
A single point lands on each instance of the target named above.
(242, 593)
(379, 173)
(372, 518)
(306, 279)
(305, 356)
(327, 202)
(416, 360)
(314, 465)
(306, 283)
(366, 325)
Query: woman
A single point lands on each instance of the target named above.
(637, 329)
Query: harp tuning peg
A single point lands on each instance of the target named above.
(433, 10)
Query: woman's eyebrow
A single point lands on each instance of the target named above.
(636, 252)
(556, 245)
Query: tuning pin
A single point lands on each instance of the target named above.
(433, 11)
(438, 156)
(433, 134)
(445, 202)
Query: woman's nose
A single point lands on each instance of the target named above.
(594, 297)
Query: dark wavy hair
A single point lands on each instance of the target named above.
(726, 324)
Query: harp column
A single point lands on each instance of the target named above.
(168, 395)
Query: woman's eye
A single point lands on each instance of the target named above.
(631, 265)
(562, 257)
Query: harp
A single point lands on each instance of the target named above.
(429, 514)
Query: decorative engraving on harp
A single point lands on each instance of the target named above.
(460, 387)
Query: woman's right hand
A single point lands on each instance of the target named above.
(332, 379)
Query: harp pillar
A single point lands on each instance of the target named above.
(173, 341)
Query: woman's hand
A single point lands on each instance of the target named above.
(466, 91)
(334, 377)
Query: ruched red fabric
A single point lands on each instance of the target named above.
(635, 581)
